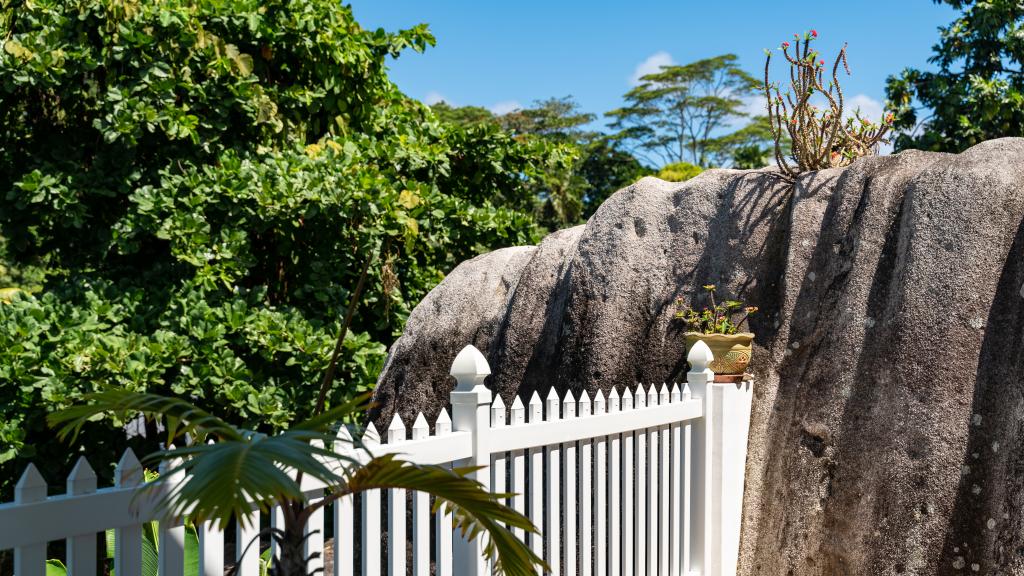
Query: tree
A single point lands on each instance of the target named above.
(560, 189)
(464, 116)
(557, 119)
(678, 113)
(221, 479)
(978, 91)
(192, 193)
(584, 167)
(751, 146)
(607, 168)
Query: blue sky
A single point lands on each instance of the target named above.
(500, 55)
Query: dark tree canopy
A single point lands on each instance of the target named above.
(978, 91)
(607, 168)
(191, 190)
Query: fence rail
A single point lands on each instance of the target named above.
(648, 481)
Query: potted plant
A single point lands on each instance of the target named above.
(718, 325)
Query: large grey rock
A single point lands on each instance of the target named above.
(888, 429)
(466, 308)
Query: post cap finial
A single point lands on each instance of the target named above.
(470, 368)
(700, 356)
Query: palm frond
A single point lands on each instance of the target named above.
(182, 416)
(224, 480)
(476, 512)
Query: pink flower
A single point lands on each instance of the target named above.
(785, 44)
(821, 62)
(814, 33)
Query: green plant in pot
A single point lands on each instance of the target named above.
(719, 325)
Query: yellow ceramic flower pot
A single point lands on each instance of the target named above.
(731, 351)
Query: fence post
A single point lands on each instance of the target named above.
(719, 462)
(471, 402)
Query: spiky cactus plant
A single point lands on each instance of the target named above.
(820, 137)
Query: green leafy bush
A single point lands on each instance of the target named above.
(974, 89)
(191, 190)
(679, 172)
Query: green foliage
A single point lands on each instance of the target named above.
(977, 93)
(715, 318)
(557, 119)
(818, 138)
(607, 168)
(679, 172)
(220, 479)
(583, 168)
(559, 187)
(678, 113)
(752, 146)
(191, 191)
(462, 115)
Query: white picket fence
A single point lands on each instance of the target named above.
(649, 482)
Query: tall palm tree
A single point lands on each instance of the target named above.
(222, 479)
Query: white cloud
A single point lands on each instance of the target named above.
(433, 97)
(755, 105)
(505, 107)
(870, 109)
(652, 64)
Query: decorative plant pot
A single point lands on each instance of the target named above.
(731, 352)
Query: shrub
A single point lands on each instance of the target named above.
(820, 138)
(679, 172)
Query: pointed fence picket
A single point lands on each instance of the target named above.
(444, 529)
(552, 530)
(646, 481)
(396, 510)
(82, 547)
(614, 479)
(344, 518)
(536, 482)
(601, 472)
(586, 472)
(370, 500)
(29, 560)
(171, 556)
(569, 486)
(517, 474)
(420, 513)
(640, 494)
(628, 471)
(128, 539)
